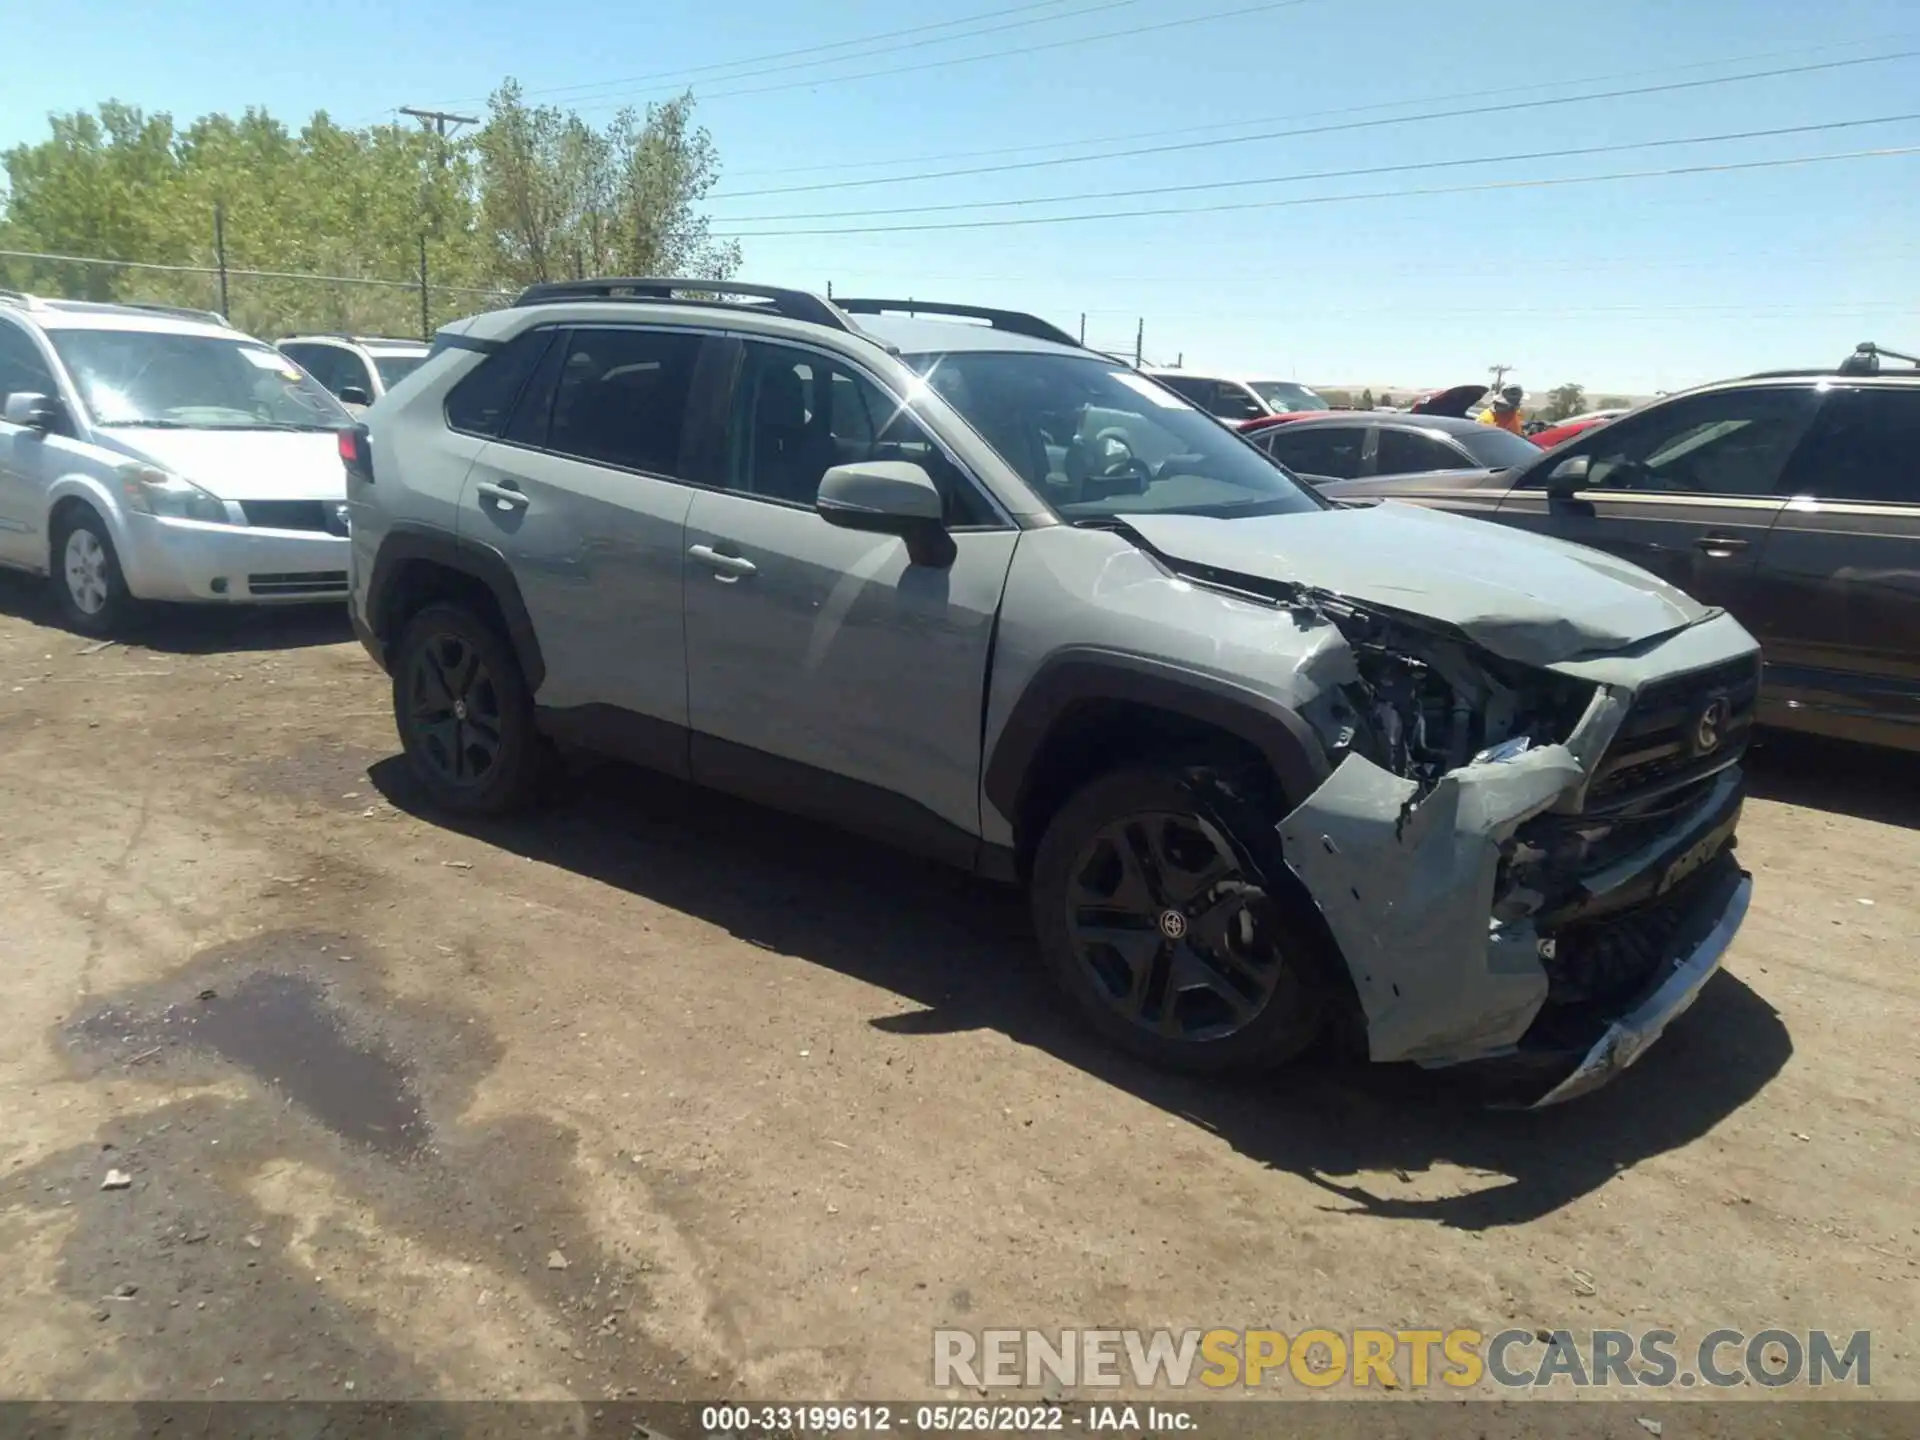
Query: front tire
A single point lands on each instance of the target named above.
(86, 575)
(1166, 913)
(464, 713)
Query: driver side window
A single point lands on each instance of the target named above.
(22, 371)
(1733, 442)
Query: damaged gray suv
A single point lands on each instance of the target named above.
(939, 574)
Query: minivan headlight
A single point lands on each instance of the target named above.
(160, 492)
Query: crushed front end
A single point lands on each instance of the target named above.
(1527, 866)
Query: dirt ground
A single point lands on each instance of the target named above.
(661, 1095)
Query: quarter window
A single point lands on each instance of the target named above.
(481, 403)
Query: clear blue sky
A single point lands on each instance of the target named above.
(1628, 285)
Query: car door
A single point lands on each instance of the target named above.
(1687, 489)
(1334, 452)
(585, 495)
(29, 458)
(1839, 575)
(828, 672)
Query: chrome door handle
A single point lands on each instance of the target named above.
(507, 497)
(1720, 545)
(728, 565)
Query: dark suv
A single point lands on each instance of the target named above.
(1791, 499)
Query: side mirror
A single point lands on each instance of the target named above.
(35, 412)
(888, 497)
(354, 395)
(1569, 476)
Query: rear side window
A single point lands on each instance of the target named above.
(1407, 452)
(1190, 387)
(482, 402)
(1331, 450)
(621, 398)
(1865, 446)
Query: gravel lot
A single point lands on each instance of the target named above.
(662, 1095)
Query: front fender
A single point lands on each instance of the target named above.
(100, 497)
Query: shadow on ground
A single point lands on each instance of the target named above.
(1863, 781)
(191, 629)
(963, 953)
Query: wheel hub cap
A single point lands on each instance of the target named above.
(1173, 924)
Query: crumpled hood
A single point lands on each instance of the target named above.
(243, 464)
(1526, 597)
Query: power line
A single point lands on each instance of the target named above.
(970, 59)
(1637, 74)
(1667, 88)
(789, 54)
(1334, 174)
(233, 270)
(1486, 186)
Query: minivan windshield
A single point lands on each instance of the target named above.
(157, 378)
(1097, 441)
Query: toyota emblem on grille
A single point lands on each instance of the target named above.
(1710, 725)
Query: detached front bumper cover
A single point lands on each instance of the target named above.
(1634, 1033)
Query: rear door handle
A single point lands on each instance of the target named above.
(1720, 544)
(729, 566)
(506, 495)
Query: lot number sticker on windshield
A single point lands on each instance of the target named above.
(1140, 385)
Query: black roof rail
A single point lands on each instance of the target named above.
(791, 304)
(1015, 322)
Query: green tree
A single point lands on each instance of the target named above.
(1612, 402)
(1565, 400)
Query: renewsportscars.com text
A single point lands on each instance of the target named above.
(1411, 1359)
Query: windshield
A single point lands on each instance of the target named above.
(199, 382)
(1097, 441)
(1498, 449)
(395, 368)
(1285, 397)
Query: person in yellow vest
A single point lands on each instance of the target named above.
(1505, 410)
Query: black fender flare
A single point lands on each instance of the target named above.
(1074, 676)
(404, 543)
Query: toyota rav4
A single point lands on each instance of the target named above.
(940, 574)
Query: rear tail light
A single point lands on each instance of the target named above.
(356, 453)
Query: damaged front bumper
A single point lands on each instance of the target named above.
(1716, 916)
(1539, 916)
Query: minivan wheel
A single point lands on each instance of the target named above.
(86, 573)
(464, 713)
(1165, 912)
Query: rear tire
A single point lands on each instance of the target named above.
(85, 571)
(464, 713)
(1167, 914)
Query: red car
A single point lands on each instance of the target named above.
(1567, 429)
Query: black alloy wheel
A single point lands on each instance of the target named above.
(463, 712)
(1156, 913)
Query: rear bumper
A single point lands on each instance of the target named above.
(187, 560)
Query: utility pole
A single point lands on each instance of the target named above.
(441, 123)
(1083, 327)
(220, 250)
(1499, 373)
(1139, 341)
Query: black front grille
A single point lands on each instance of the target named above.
(1662, 745)
(285, 514)
(299, 582)
(321, 515)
